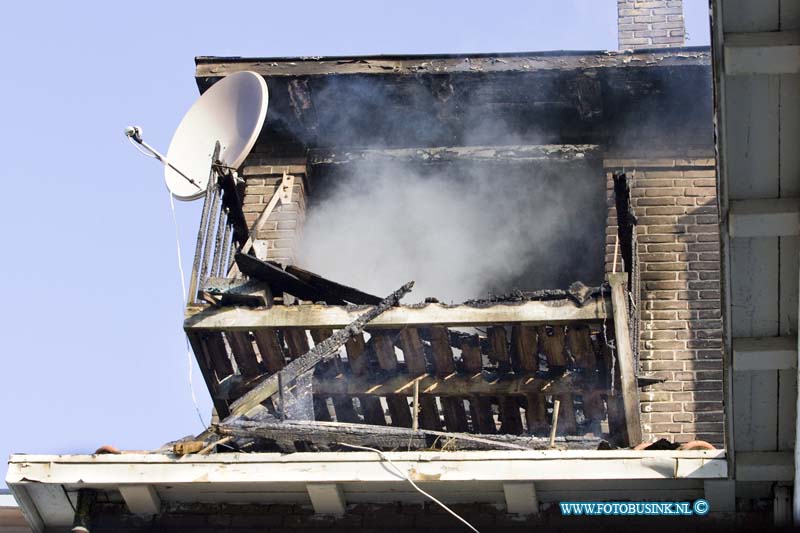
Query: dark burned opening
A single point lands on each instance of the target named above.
(461, 228)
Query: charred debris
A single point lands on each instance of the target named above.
(482, 393)
(284, 355)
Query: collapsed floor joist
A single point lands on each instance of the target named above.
(321, 436)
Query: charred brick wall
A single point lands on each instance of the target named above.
(650, 24)
(674, 200)
(276, 241)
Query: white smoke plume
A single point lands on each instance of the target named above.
(460, 231)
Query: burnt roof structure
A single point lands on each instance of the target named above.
(532, 98)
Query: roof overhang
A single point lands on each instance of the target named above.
(607, 98)
(46, 485)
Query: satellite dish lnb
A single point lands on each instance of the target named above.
(232, 111)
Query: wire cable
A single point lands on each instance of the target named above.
(407, 478)
(184, 300)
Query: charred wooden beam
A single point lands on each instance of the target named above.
(510, 418)
(551, 153)
(331, 289)
(333, 436)
(455, 416)
(244, 353)
(626, 221)
(342, 405)
(321, 352)
(399, 410)
(480, 406)
(280, 280)
(371, 407)
(433, 314)
(525, 356)
(232, 196)
(627, 364)
(414, 356)
(212, 68)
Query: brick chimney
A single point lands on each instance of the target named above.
(650, 24)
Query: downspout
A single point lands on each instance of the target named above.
(796, 496)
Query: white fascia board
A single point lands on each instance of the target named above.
(775, 52)
(777, 217)
(764, 353)
(764, 466)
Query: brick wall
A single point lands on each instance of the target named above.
(681, 326)
(650, 24)
(276, 241)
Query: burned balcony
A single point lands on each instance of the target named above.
(286, 354)
(294, 361)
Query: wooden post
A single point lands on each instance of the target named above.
(627, 370)
(556, 406)
(415, 413)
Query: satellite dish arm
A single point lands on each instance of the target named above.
(134, 134)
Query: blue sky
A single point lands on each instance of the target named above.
(92, 347)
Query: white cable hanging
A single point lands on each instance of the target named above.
(402, 474)
(183, 294)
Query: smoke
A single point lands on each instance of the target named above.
(460, 230)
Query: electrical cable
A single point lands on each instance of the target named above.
(149, 153)
(407, 478)
(141, 149)
(183, 293)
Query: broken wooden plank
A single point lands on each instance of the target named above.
(433, 314)
(204, 360)
(510, 418)
(280, 280)
(552, 341)
(333, 289)
(552, 344)
(243, 353)
(525, 356)
(270, 349)
(296, 341)
(626, 363)
(220, 361)
(455, 416)
(383, 344)
(579, 343)
(321, 352)
(414, 356)
(371, 407)
(480, 406)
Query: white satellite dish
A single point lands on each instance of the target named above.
(232, 112)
